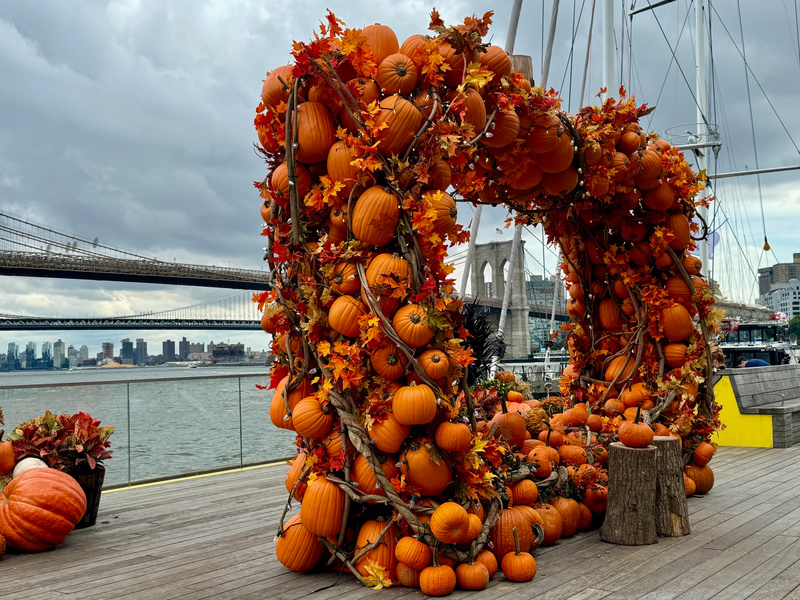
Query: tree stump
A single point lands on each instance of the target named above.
(631, 496)
(672, 512)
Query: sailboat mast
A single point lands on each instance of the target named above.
(511, 37)
(609, 70)
(701, 60)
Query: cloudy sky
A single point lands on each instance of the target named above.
(131, 121)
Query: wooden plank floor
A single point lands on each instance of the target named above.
(213, 537)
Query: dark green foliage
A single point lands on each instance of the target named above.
(483, 341)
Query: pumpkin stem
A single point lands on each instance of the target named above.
(638, 413)
(516, 541)
(436, 553)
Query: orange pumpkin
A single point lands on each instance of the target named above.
(453, 437)
(409, 323)
(279, 180)
(397, 74)
(344, 314)
(428, 474)
(273, 92)
(404, 121)
(703, 477)
(552, 523)
(412, 552)
(383, 554)
(570, 515)
(321, 510)
(496, 60)
(703, 454)
(311, 419)
(674, 355)
(388, 434)
(315, 132)
(677, 323)
(414, 405)
(375, 216)
(449, 523)
(297, 548)
(388, 361)
(39, 508)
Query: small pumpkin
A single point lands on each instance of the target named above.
(437, 580)
(435, 363)
(489, 560)
(312, 419)
(404, 121)
(449, 523)
(389, 362)
(384, 553)
(703, 454)
(397, 74)
(344, 314)
(409, 323)
(518, 566)
(426, 470)
(297, 548)
(703, 477)
(388, 434)
(525, 492)
(7, 460)
(453, 437)
(472, 576)
(407, 576)
(677, 322)
(413, 552)
(26, 463)
(414, 405)
(636, 434)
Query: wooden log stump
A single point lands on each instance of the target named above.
(672, 511)
(631, 496)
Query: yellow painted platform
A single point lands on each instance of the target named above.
(740, 430)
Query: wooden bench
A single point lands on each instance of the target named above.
(773, 391)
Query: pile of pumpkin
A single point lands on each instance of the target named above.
(369, 143)
(39, 506)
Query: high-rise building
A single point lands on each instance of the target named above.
(140, 355)
(59, 354)
(168, 350)
(778, 273)
(108, 350)
(30, 355)
(13, 352)
(72, 356)
(126, 353)
(184, 349)
(47, 351)
(784, 297)
(83, 354)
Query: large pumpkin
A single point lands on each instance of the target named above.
(703, 477)
(39, 509)
(322, 507)
(404, 121)
(315, 132)
(375, 216)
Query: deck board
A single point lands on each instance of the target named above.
(213, 537)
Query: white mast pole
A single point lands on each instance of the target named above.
(609, 56)
(511, 37)
(701, 60)
(515, 244)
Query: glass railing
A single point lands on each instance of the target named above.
(165, 427)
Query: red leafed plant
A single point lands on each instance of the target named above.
(64, 442)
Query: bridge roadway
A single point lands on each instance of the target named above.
(540, 311)
(44, 324)
(31, 264)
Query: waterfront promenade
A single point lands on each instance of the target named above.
(213, 537)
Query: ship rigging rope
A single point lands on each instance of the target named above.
(752, 130)
(680, 69)
(758, 83)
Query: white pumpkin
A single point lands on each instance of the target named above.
(28, 463)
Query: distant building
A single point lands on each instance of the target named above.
(12, 358)
(784, 297)
(197, 348)
(227, 352)
(30, 355)
(108, 350)
(47, 351)
(126, 352)
(778, 273)
(168, 350)
(59, 354)
(140, 354)
(184, 348)
(72, 356)
(83, 354)
(539, 290)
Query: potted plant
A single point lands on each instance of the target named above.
(75, 444)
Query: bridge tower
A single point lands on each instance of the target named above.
(517, 333)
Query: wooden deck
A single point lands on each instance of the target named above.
(212, 537)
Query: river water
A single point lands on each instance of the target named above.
(168, 420)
